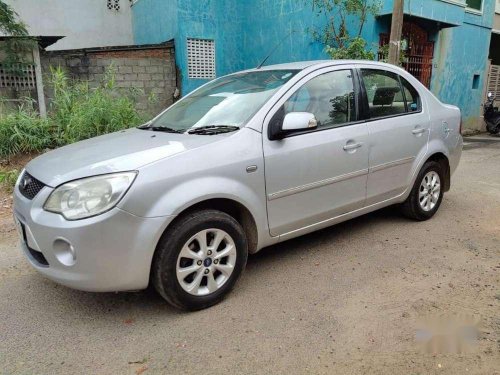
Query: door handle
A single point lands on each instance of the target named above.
(352, 146)
(418, 131)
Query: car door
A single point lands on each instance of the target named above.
(399, 131)
(317, 174)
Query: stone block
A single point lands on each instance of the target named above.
(138, 69)
(157, 77)
(125, 69)
(138, 84)
(131, 77)
(152, 69)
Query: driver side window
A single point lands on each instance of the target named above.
(329, 96)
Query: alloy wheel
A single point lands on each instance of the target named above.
(429, 191)
(206, 262)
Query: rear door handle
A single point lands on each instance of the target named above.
(352, 146)
(418, 131)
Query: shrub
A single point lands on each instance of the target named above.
(80, 112)
(24, 131)
(8, 178)
(77, 112)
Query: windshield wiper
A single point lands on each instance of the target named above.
(213, 129)
(165, 129)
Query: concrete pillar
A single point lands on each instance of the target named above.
(39, 82)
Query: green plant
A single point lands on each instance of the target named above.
(383, 52)
(8, 178)
(24, 131)
(77, 112)
(344, 24)
(18, 48)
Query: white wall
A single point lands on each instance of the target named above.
(84, 23)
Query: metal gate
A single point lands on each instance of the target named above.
(418, 51)
(493, 85)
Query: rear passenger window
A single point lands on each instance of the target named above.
(385, 97)
(413, 103)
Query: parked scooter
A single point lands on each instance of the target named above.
(491, 115)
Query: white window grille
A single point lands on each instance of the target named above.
(201, 58)
(494, 81)
(113, 4)
(24, 80)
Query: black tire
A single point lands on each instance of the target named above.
(496, 129)
(163, 270)
(411, 207)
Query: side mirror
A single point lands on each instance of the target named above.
(299, 121)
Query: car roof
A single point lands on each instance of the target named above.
(301, 65)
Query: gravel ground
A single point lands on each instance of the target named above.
(345, 300)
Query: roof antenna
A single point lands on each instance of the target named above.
(274, 49)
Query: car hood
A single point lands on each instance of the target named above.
(125, 150)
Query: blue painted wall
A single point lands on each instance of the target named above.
(460, 53)
(154, 21)
(245, 31)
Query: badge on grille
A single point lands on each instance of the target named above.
(26, 181)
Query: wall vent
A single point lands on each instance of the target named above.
(114, 4)
(24, 80)
(201, 58)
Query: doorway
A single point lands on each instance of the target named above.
(417, 49)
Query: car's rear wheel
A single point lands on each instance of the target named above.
(199, 259)
(427, 193)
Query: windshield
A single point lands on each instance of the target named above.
(228, 101)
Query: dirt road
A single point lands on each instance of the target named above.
(346, 300)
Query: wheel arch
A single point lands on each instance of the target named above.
(442, 159)
(231, 207)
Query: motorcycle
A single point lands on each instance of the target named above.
(491, 115)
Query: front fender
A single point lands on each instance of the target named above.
(183, 196)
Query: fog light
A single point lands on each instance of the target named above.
(64, 252)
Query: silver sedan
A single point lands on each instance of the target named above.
(246, 161)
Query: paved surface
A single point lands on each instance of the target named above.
(345, 300)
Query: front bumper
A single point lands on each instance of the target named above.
(109, 252)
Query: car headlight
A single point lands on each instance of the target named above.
(90, 196)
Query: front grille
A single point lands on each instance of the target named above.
(29, 186)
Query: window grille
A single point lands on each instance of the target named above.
(494, 81)
(25, 80)
(201, 58)
(113, 4)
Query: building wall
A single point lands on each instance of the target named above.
(460, 54)
(83, 24)
(145, 25)
(156, 21)
(496, 20)
(246, 31)
(150, 70)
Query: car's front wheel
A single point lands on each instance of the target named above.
(427, 193)
(199, 259)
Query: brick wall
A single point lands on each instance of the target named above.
(151, 70)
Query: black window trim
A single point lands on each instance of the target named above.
(357, 103)
(365, 105)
